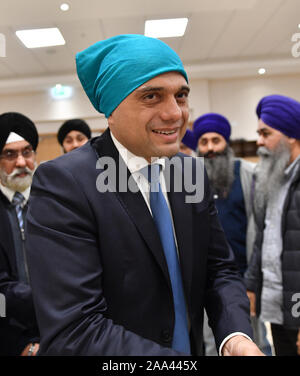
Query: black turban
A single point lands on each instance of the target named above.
(19, 124)
(73, 125)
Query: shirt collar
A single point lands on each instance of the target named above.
(292, 168)
(132, 161)
(9, 194)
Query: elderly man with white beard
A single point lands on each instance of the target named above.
(18, 143)
(273, 276)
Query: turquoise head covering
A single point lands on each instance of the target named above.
(111, 69)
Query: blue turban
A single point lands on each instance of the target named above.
(281, 113)
(111, 69)
(211, 122)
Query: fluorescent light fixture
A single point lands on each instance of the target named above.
(61, 92)
(64, 7)
(261, 71)
(172, 27)
(41, 37)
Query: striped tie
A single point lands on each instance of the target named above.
(17, 202)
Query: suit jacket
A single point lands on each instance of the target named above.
(19, 327)
(99, 276)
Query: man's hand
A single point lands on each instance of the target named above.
(252, 298)
(298, 342)
(31, 349)
(240, 346)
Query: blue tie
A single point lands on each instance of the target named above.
(163, 222)
(17, 202)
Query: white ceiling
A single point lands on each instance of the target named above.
(224, 38)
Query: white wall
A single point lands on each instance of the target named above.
(199, 98)
(235, 98)
(48, 113)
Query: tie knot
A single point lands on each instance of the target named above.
(153, 171)
(18, 199)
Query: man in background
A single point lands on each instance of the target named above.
(186, 150)
(231, 180)
(19, 140)
(73, 133)
(273, 276)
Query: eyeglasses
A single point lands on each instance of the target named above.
(12, 155)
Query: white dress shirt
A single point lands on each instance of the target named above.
(9, 194)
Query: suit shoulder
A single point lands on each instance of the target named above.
(80, 158)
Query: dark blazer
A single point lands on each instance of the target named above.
(290, 257)
(19, 327)
(99, 277)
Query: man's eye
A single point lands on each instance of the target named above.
(27, 152)
(150, 97)
(182, 96)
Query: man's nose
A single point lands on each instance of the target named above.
(210, 146)
(75, 144)
(260, 141)
(171, 110)
(20, 161)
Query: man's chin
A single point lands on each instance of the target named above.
(167, 151)
(170, 150)
(19, 184)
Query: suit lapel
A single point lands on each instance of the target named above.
(182, 218)
(133, 203)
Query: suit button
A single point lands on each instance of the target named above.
(166, 335)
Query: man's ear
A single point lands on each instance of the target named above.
(292, 141)
(110, 120)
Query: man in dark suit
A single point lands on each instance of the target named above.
(18, 142)
(127, 269)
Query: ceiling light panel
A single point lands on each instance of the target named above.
(36, 38)
(166, 28)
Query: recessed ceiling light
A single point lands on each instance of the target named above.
(261, 71)
(299, 26)
(173, 27)
(64, 7)
(41, 37)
